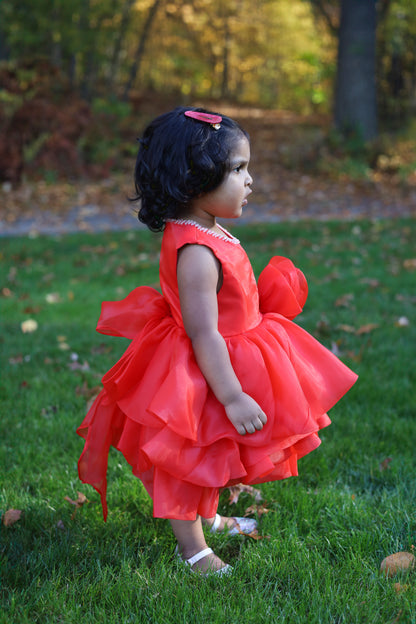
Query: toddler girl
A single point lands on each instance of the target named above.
(218, 386)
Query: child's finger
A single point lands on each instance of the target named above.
(251, 427)
(263, 417)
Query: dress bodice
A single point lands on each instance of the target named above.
(238, 299)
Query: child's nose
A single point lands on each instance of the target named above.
(249, 180)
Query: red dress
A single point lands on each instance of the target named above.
(157, 409)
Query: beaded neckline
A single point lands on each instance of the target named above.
(226, 236)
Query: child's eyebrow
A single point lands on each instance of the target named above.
(238, 162)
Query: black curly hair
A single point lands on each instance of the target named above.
(179, 159)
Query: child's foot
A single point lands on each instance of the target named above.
(234, 526)
(205, 562)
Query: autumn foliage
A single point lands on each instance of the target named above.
(49, 124)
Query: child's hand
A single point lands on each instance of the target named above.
(245, 414)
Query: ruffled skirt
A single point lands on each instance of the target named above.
(157, 409)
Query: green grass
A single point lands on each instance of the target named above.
(328, 529)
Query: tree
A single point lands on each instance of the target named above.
(396, 62)
(138, 56)
(355, 91)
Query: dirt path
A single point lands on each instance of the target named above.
(296, 201)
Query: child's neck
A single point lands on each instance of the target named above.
(206, 221)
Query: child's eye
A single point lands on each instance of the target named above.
(238, 169)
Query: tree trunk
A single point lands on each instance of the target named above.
(355, 93)
(84, 20)
(4, 49)
(141, 47)
(121, 35)
(225, 60)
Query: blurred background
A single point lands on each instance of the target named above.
(326, 88)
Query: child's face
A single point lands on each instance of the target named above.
(228, 199)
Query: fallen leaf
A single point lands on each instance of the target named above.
(28, 326)
(410, 264)
(398, 588)
(49, 411)
(32, 309)
(403, 321)
(101, 348)
(17, 359)
(366, 329)
(344, 301)
(53, 298)
(372, 283)
(258, 510)
(236, 490)
(11, 516)
(349, 329)
(400, 561)
(77, 366)
(256, 535)
(384, 465)
(81, 500)
(323, 327)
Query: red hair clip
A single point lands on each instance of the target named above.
(214, 120)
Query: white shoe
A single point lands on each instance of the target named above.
(227, 569)
(243, 526)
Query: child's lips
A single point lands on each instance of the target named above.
(245, 200)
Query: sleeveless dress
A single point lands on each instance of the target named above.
(157, 409)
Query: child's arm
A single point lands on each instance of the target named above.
(198, 273)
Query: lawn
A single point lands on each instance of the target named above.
(325, 532)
